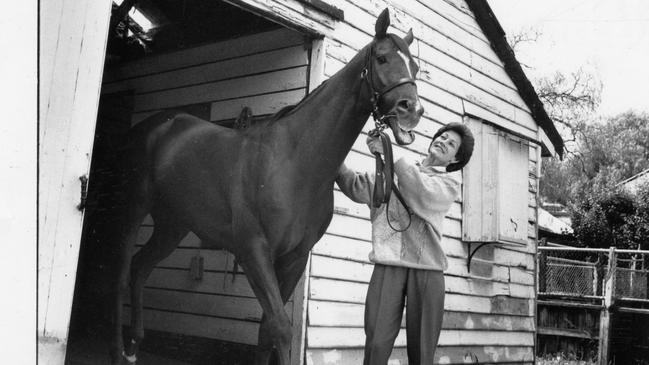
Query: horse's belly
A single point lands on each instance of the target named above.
(299, 223)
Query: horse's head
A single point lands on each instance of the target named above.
(390, 72)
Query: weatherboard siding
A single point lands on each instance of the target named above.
(264, 71)
(489, 312)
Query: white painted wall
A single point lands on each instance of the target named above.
(18, 183)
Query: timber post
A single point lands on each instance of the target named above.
(542, 262)
(606, 314)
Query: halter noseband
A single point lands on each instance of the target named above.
(376, 94)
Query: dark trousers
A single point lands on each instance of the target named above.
(386, 297)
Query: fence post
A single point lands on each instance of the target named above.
(606, 315)
(541, 272)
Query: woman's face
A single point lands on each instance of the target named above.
(443, 149)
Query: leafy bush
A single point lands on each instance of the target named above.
(605, 216)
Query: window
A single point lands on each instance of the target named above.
(495, 186)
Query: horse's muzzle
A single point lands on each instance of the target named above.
(407, 114)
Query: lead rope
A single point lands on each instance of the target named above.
(384, 178)
(383, 187)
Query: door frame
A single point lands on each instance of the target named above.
(71, 58)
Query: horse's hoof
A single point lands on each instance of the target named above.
(129, 359)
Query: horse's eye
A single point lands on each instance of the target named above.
(381, 59)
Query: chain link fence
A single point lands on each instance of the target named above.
(630, 271)
(584, 272)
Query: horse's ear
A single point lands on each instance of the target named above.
(409, 37)
(382, 24)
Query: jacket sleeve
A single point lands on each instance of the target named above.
(357, 186)
(425, 194)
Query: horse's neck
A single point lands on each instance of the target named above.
(331, 119)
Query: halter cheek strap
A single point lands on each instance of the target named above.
(376, 93)
(384, 175)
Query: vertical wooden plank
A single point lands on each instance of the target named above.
(73, 47)
(471, 195)
(480, 184)
(489, 184)
(604, 335)
(537, 284)
(301, 294)
(606, 314)
(513, 189)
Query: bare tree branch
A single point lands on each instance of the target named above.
(523, 36)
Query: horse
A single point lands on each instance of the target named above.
(263, 193)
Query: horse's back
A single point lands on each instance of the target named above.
(170, 124)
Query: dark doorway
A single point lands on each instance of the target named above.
(92, 296)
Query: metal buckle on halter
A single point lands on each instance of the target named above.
(379, 126)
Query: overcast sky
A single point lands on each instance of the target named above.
(607, 37)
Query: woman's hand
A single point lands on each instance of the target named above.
(374, 144)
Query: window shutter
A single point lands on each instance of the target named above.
(495, 190)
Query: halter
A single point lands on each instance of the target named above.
(376, 93)
(384, 176)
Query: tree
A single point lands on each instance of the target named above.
(600, 152)
(607, 153)
(570, 99)
(606, 215)
(620, 144)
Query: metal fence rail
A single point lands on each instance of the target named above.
(585, 272)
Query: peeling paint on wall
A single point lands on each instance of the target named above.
(469, 323)
(331, 357)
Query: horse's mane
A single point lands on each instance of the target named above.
(289, 109)
(281, 113)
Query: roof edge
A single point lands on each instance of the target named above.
(496, 35)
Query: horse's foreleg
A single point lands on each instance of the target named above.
(117, 344)
(276, 324)
(127, 241)
(162, 243)
(288, 269)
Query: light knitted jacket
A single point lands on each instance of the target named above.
(429, 193)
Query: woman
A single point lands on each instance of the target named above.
(410, 264)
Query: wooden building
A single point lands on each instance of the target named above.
(210, 65)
